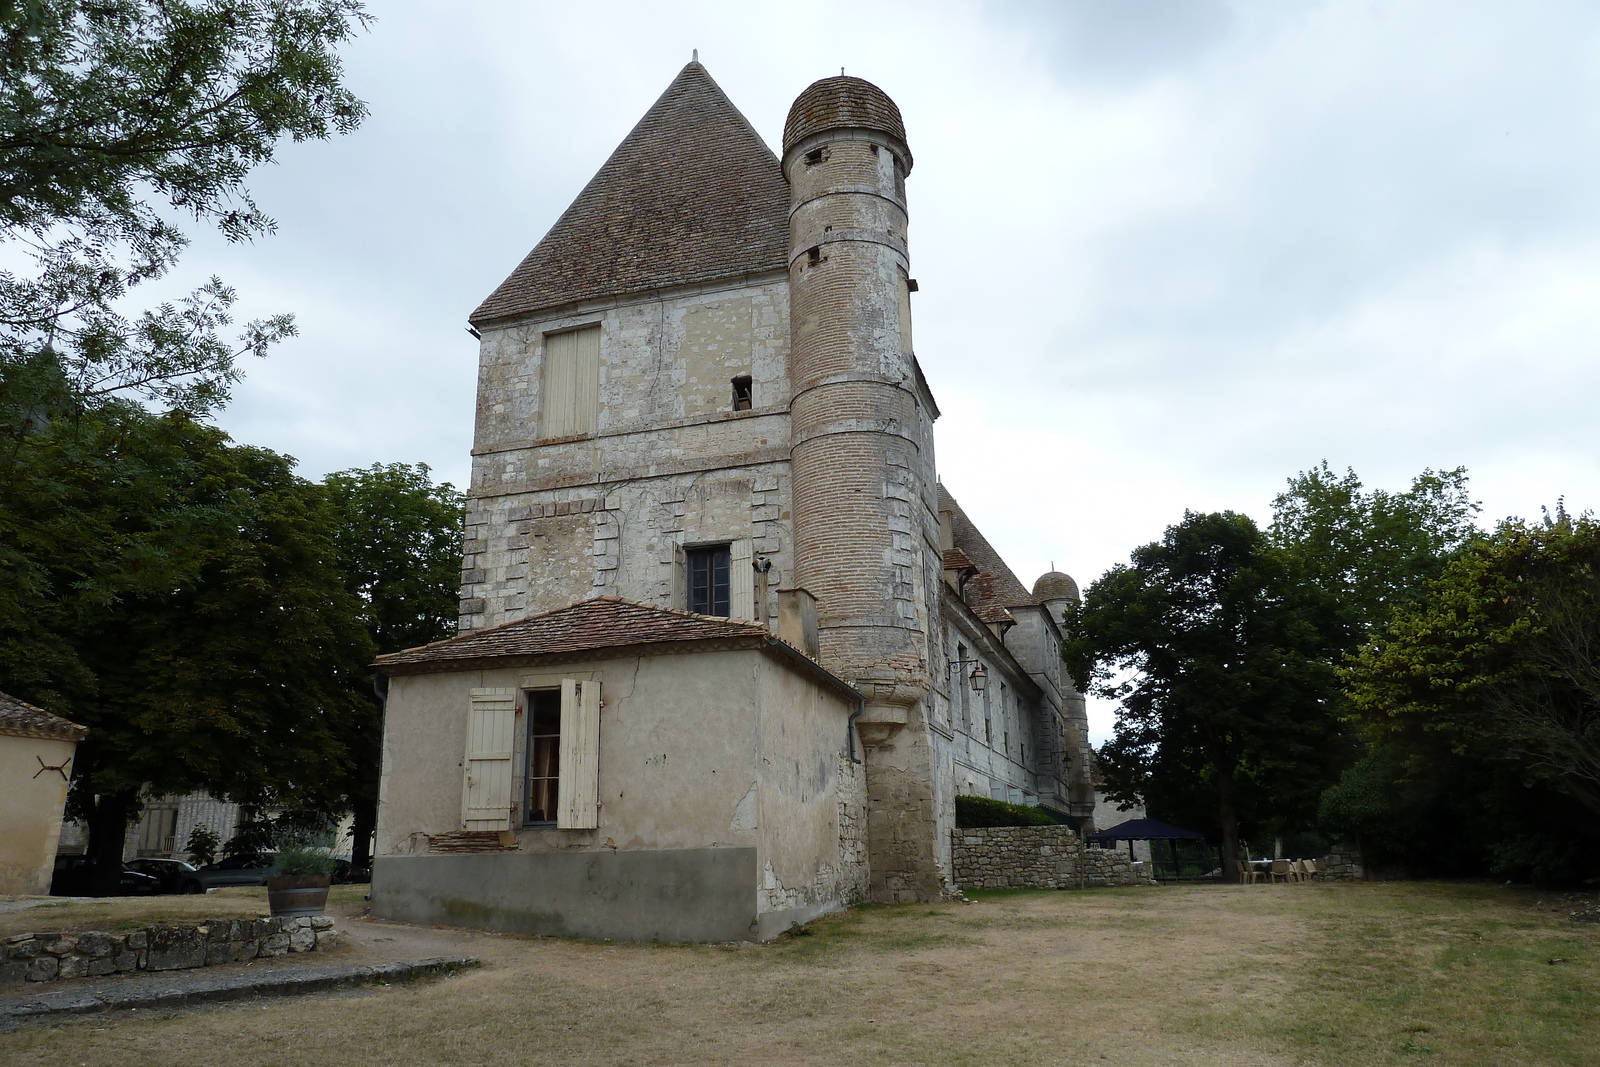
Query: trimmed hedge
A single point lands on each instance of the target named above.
(973, 812)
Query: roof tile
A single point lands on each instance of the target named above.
(604, 622)
(691, 195)
(995, 588)
(19, 718)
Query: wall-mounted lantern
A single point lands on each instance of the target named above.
(979, 677)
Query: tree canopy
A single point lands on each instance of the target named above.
(176, 593)
(1373, 551)
(118, 119)
(194, 618)
(1220, 658)
(397, 536)
(1483, 703)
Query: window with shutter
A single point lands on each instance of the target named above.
(708, 578)
(571, 401)
(578, 804)
(486, 787)
(543, 779)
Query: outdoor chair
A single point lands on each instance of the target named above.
(1309, 868)
(1281, 871)
(1298, 869)
(1248, 875)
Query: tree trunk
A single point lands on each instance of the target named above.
(1228, 812)
(108, 829)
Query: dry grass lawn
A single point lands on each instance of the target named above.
(128, 913)
(1249, 975)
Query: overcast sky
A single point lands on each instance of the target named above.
(1170, 252)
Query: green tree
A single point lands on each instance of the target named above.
(1372, 551)
(116, 118)
(398, 544)
(198, 626)
(1495, 679)
(1219, 655)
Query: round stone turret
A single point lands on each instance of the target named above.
(1053, 585)
(866, 535)
(1055, 590)
(834, 105)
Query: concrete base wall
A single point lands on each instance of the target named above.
(698, 894)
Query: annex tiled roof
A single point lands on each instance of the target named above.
(19, 718)
(995, 588)
(604, 622)
(956, 560)
(691, 195)
(843, 103)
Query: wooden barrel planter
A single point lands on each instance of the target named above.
(294, 895)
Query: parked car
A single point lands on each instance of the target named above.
(346, 874)
(253, 868)
(170, 872)
(74, 877)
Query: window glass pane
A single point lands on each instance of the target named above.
(544, 755)
(708, 580)
(719, 582)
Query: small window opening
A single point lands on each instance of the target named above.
(708, 580)
(813, 256)
(813, 157)
(742, 394)
(544, 756)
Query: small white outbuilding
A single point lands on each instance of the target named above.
(36, 753)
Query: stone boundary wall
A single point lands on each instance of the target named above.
(1343, 864)
(1037, 857)
(50, 956)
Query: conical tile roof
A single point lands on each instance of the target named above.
(691, 195)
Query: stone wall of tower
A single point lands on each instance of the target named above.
(865, 530)
(554, 521)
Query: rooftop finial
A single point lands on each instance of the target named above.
(841, 72)
(696, 54)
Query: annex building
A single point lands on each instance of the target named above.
(728, 650)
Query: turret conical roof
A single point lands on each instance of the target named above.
(691, 195)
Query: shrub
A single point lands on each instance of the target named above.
(203, 845)
(982, 811)
(304, 860)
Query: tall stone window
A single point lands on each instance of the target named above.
(543, 789)
(709, 589)
(571, 399)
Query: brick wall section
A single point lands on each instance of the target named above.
(50, 956)
(1037, 857)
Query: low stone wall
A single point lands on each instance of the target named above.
(1037, 857)
(49, 956)
(1343, 864)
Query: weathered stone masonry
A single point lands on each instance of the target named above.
(51, 956)
(1037, 857)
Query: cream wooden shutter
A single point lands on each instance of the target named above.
(741, 581)
(586, 380)
(571, 382)
(486, 785)
(579, 804)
